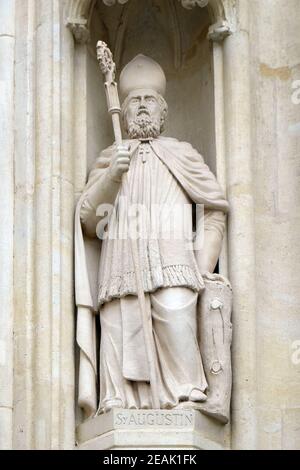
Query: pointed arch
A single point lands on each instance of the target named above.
(78, 13)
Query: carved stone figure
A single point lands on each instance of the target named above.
(152, 184)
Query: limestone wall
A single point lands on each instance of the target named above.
(47, 141)
(275, 67)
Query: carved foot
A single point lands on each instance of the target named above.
(195, 401)
(197, 395)
(112, 404)
(109, 405)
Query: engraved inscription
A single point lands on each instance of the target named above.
(154, 418)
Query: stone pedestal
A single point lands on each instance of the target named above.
(151, 429)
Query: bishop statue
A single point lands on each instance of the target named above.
(164, 180)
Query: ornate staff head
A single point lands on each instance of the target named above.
(105, 59)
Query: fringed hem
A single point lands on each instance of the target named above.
(168, 276)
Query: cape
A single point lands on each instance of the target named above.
(188, 168)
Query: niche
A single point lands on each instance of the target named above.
(177, 39)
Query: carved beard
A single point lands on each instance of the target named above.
(143, 127)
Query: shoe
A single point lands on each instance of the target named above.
(196, 395)
(109, 404)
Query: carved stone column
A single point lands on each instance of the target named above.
(7, 50)
(44, 207)
(217, 33)
(241, 239)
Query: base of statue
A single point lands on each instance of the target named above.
(151, 429)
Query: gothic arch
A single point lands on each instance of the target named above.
(78, 13)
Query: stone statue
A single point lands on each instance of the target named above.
(190, 306)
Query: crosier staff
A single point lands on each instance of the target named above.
(108, 69)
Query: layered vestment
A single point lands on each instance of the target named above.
(166, 177)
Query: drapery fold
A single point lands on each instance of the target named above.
(186, 167)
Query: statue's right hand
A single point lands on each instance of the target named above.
(119, 163)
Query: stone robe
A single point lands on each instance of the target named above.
(168, 174)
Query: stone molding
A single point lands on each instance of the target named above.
(80, 30)
(148, 429)
(219, 31)
(78, 14)
(185, 3)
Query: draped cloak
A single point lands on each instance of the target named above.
(189, 170)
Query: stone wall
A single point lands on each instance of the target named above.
(275, 67)
(44, 137)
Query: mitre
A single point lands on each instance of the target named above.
(142, 73)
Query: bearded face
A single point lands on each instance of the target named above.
(143, 114)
